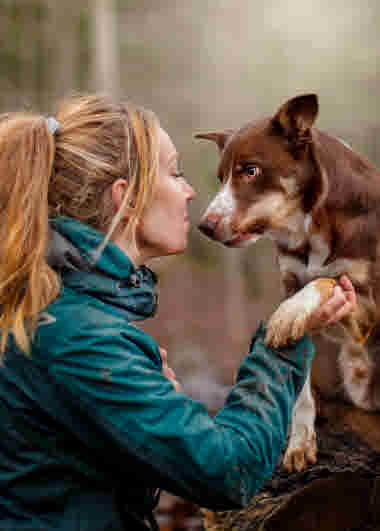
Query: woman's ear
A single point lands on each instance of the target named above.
(118, 190)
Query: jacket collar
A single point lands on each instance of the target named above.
(110, 277)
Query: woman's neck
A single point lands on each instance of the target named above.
(135, 255)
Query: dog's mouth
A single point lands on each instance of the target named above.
(238, 239)
(251, 234)
(242, 239)
(259, 228)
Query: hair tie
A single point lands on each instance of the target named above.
(53, 125)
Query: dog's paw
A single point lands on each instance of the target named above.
(289, 321)
(287, 324)
(301, 452)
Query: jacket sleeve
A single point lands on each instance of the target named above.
(219, 462)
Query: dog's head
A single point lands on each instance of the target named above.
(269, 177)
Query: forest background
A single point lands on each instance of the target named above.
(202, 65)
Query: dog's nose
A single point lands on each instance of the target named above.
(208, 226)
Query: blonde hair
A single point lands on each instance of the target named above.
(70, 174)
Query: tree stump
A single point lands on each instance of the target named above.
(341, 492)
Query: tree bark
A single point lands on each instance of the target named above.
(61, 53)
(341, 492)
(106, 61)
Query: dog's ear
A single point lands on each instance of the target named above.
(295, 119)
(219, 137)
(316, 193)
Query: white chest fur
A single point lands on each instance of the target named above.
(314, 266)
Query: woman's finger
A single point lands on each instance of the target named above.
(163, 354)
(170, 373)
(337, 310)
(342, 312)
(330, 307)
(344, 301)
(177, 385)
(331, 311)
(171, 376)
(348, 288)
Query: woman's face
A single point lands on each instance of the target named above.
(164, 228)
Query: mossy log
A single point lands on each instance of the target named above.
(341, 492)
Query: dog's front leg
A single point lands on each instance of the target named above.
(289, 321)
(302, 446)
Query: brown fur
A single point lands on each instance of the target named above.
(303, 172)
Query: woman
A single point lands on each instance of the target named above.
(92, 423)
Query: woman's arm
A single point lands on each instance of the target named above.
(159, 437)
(112, 375)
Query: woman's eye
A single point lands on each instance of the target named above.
(178, 174)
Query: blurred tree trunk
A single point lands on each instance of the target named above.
(21, 51)
(106, 60)
(61, 54)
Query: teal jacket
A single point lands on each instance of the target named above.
(89, 426)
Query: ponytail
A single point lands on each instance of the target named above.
(69, 174)
(27, 283)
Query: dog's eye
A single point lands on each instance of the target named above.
(252, 171)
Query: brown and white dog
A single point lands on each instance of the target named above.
(320, 203)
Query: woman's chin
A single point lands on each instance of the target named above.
(167, 251)
(178, 248)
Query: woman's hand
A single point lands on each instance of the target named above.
(167, 371)
(334, 309)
